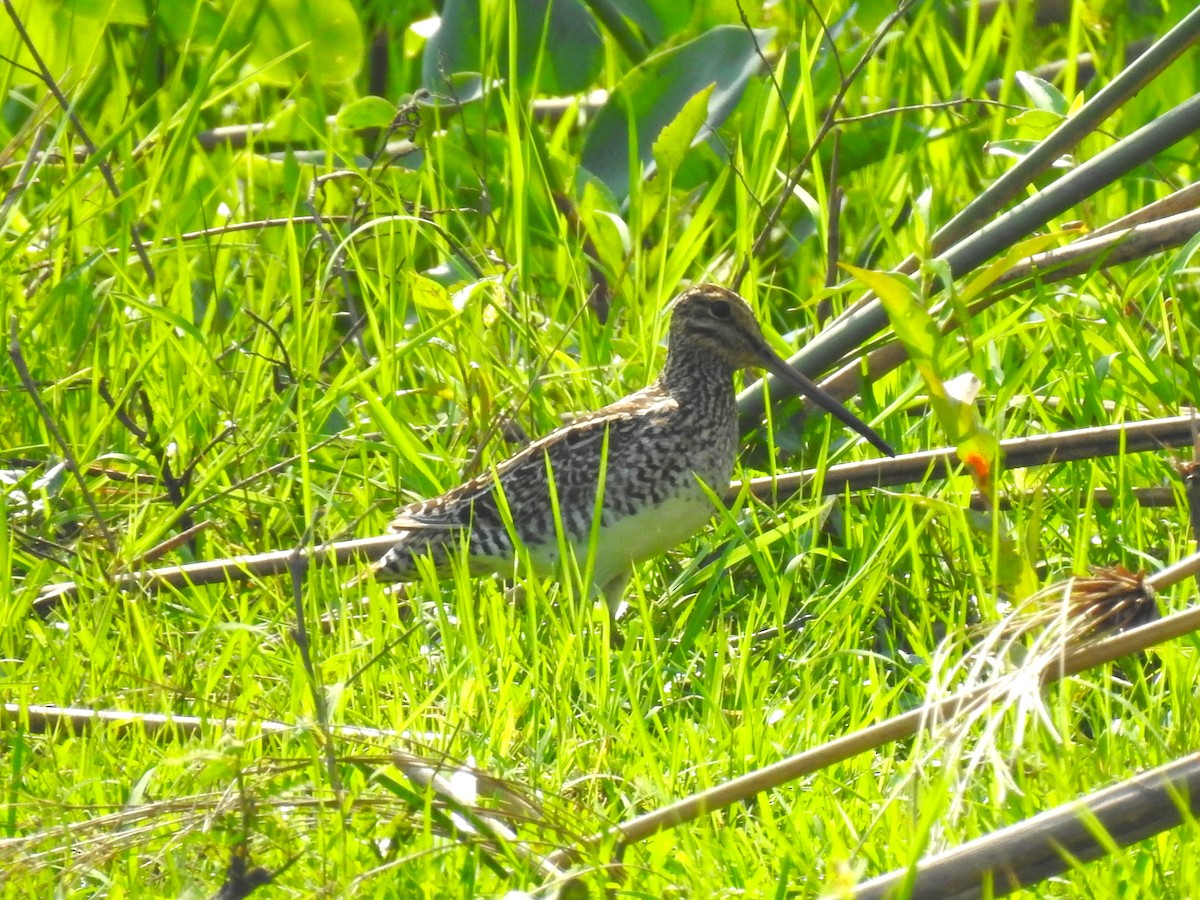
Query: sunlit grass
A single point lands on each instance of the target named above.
(236, 367)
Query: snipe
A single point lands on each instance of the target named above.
(649, 452)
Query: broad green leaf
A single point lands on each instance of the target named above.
(119, 12)
(320, 40)
(675, 140)
(454, 45)
(297, 121)
(67, 40)
(653, 94)
(657, 19)
(867, 143)
(902, 302)
(869, 14)
(1042, 94)
(1035, 123)
(366, 112)
(566, 38)
(660, 20)
(193, 23)
(558, 43)
(428, 294)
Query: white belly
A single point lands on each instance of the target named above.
(631, 539)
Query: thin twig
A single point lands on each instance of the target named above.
(261, 474)
(826, 126)
(174, 541)
(254, 225)
(929, 107)
(1018, 453)
(784, 105)
(237, 568)
(23, 179)
(1065, 446)
(40, 718)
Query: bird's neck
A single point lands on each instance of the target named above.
(695, 376)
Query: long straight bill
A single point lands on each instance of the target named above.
(778, 366)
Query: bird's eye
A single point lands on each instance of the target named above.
(719, 309)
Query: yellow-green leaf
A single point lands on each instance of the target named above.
(982, 279)
(679, 134)
(366, 112)
(902, 302)
(428, 294)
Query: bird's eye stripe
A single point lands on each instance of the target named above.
(711, 329)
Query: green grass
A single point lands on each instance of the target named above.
(235, 366)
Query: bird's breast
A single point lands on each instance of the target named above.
(636, 534)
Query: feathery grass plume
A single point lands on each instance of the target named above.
(1013, 657)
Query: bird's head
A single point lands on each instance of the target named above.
(713, 320)
(720, 323)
